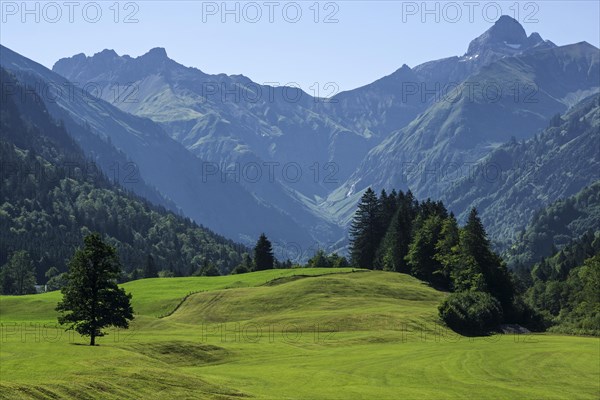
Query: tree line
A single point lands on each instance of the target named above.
(396, 232)
(49, 201)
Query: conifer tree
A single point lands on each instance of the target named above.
(365, 231)
(476, 244)
(263, 254)
(421, 254)
(394, 246)
(388, 205)
(150, 270)
(445, 252)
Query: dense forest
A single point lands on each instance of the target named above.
(396, 232)
(556, 260)
(52, 196)
(556, 225)
(565, 288)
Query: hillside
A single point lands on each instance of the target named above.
(419, 128)
(565, 288)
(267, 137)
(511, 97)
(557, 225)
(51, 195)
(520, 177)
(286, 334)
(227, 119)
(158, 160)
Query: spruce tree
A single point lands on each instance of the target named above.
(445, 252)
(475, 239)
(421, 254)
(394, 246)
(387, 209)
(150, 270)
(263, 254)
(319, 260)
(387, 205)
(365, 231)
(476, 244)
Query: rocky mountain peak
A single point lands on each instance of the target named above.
(506, 34)
(156, 54)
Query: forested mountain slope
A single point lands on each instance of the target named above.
(520, 177)
(51, 195)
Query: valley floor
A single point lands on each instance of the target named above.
(285, 334)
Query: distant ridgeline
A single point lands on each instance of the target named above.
(51, 196)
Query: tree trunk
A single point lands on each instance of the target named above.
(92, 340)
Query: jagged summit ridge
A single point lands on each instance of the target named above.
(506, 36)
(108, 60)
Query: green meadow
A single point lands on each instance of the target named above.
(285, 334)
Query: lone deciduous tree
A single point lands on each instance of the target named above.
(91, 299)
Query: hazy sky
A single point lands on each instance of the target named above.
(350, 43)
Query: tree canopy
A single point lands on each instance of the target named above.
(398, 233)
(52, 196)
(91, 298)
(17, 276)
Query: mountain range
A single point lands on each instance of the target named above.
(53, 195)
(157, 159)
(242, 157)
(519, 178)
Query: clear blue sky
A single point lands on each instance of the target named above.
(369, 40)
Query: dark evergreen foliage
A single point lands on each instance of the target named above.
(150, 268)
(423, 239)
(263, 254)
(366, 230)
(555, 225)
(51, 196)
(394, 246)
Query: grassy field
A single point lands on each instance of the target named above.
(285, 334)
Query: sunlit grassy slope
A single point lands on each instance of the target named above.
(285, 334)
